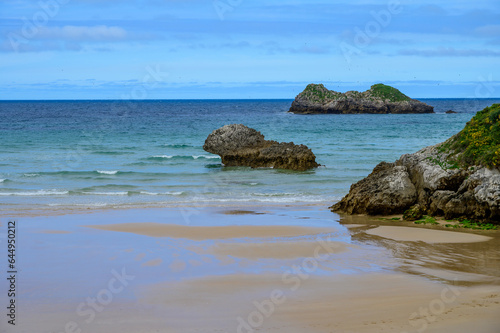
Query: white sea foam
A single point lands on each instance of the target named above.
(274, 194)
(106, 193)
(174, 193)
(268, 199)
(2, 180)
(164, 193)
(149, 193)
(85, 205)
(93, 205)
(163, 156)
(205, 156)
(36, 193)
(104, 172)
(31, 174)
(186, 156)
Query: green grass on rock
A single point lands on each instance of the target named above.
(479, 142)
(388, 93)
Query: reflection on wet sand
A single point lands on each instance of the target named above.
(286, 270)
(457, 263)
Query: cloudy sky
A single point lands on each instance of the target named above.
(169, 49)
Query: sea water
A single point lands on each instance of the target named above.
(117, 154)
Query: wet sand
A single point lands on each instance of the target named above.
(425, 235)
(201, 233)
(280, 249)
(54, 232)
(343, 303)
(292, 269)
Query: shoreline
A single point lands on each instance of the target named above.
(229, 265)
(80, 209)
(241, 208)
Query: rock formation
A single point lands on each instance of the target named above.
(238, 145)
(316, 99)
(459, 178)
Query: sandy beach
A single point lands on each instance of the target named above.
(278, 269)
(230, 166)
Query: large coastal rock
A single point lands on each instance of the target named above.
(459, 178)
(238, 145)
(316, 99)
(388, 188)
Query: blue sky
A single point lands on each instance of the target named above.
(170, 49)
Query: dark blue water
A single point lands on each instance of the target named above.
(67, 154)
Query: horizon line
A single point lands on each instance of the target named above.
(201, 99)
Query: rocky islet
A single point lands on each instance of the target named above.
(379, 99)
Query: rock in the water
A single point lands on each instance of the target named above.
(450, 111)
(459, 178)
(239, 145)
(379, 98)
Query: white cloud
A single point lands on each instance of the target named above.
(83, 33)
(492, 30)
(450, 52)
(69, 38)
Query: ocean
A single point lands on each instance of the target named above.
(57, 155)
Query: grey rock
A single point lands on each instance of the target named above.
(387, 190)
(488, 186)
(239, 145)
(233, 138)
(427, 181)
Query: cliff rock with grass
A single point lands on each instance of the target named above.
(379, 99)
(457, 179)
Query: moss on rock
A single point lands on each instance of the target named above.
(479, 142)
(389, 93)
(318, 93)
(414, 213)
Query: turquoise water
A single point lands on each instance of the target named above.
(117, 154)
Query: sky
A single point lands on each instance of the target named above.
(225, 49)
